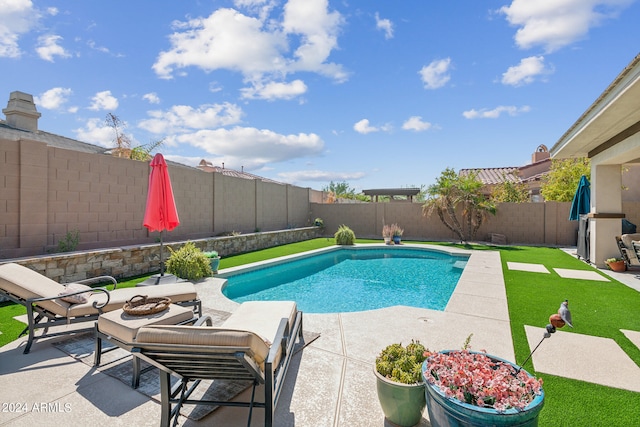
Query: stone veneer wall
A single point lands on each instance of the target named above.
(137, 260)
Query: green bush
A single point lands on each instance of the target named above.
(189, 263)
(345, 236)
(70, 241)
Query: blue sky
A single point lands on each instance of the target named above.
(375, 93)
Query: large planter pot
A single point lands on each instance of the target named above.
(402, 404)
(215, 263)
(618, 266)
(449, 412)
(397, 239)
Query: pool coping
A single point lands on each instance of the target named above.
(301, 255)
(480, 290)
(220, 278)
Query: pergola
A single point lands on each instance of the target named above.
(608, 133)
(392, 192)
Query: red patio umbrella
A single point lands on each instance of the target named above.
(160, 213)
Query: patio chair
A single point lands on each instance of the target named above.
(50, 303)
(629, 246)
(254, 344)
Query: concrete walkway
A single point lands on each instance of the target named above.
(330, 383)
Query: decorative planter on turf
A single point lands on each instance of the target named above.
(451, 412)
(402, 404)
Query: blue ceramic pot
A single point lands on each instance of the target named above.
(215, 263)
(449, 412)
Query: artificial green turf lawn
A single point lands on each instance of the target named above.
(10, 327)
(598, 308)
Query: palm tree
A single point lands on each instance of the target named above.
(453, 193)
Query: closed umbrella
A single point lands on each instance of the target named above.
(160, 213)
(581, 203)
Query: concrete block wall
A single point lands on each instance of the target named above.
(526, 223)
(46, 193)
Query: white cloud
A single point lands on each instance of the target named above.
(416, 123)
(92, 44)
(525, 72)
(384, 25)
(363, 127)
(496, 112)
(48, 47)
(96, 131)
(53, 99)
(320, 176)
(17, 17)
(318, 31)
(554, 24)
(274, 90)
(226, 39)
(252, 148)
(53, 11)
(103, 101)
(151, 97)
(436, 74)
(264, 47)
(183, 118)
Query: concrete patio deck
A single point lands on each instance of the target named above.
(329, 383)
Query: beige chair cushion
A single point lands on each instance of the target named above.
(124, 327)
(26, 283)
(206, 339)
(627, 241)
(252, 327)
(262, 317)
(178, 292)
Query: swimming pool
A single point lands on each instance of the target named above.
(353, 279)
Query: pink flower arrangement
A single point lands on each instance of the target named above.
(479, 380)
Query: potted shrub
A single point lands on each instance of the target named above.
(387, 233)
(616, 264)
(214, 260)
(465, 388)
(397, 233)
(400, 384)
(344, 236)
(189, 263)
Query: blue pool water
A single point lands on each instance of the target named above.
(348, 280)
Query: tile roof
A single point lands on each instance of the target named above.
(490, 176)
(208, 167)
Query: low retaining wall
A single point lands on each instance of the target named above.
(132, 261)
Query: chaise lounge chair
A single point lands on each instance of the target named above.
(254, 344)
(43, 299)
(629, 245)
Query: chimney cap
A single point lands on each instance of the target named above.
(21, 112)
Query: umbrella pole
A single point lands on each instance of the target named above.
(161, 260)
